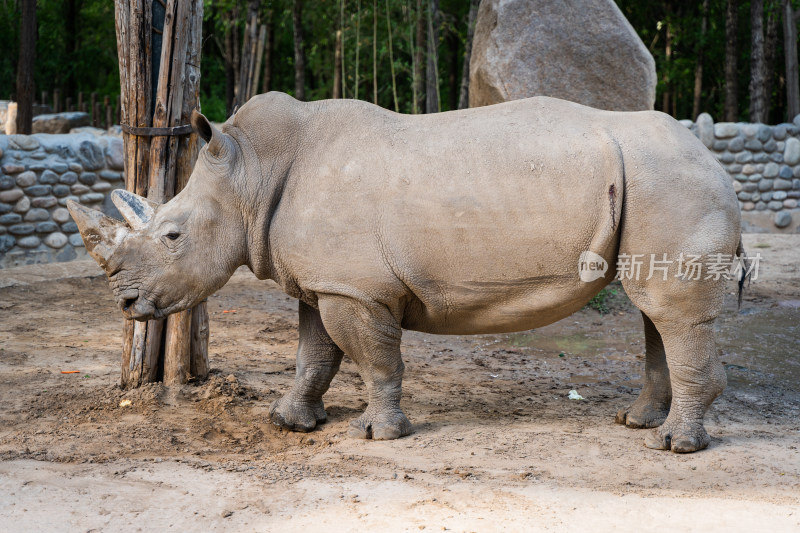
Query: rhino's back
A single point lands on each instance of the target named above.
(474, 219)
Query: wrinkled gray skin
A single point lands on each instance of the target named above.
(467, 222)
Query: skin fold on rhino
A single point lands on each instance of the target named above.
(465, 222)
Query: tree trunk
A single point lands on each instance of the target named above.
(698, 70)
(453, 45)
(432, 72)
(269, 45)
(230, 70)
(731, 57)
(358, 47)
(666, 96)
(419, 60)
(256, 75)
(758, 97)
(391, 57)
(340, 48)
(25, 66)
(463, 97)
(159, 166)
(72, 10)
(247, 65)
(299, 53)
(790, 57)
(770, 54)
(374, 52)
(337, 66)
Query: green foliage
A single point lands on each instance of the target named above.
(91, 67)
(90, 64)
(651, 20)
(602, 299)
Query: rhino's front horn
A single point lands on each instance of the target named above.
(137, 211)
(101, 234)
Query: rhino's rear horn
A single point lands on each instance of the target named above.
(136, 210)
(101, 234)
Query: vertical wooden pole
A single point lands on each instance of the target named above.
(187, 155)
(265, 81)
(337, 66)
(98, 115)
(57, 100)
(25, 67)
(93, 110)
(299, 52)
(254, 79)
(158, 167)
(107, 105)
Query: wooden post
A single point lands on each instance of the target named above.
(107, 105)
(68, 104)
(97, 115)
(56, 100)
(175, 349)
(93, 110)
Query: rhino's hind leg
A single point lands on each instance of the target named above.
(318, 360)
(370, 335)
(697, 379)
(652, 406)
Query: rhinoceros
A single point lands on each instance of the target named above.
(464, 222)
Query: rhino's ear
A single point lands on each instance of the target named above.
(137, 211)
(212, 136)
(101, 234)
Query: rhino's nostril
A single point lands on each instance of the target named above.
(128, 303)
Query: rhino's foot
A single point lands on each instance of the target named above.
(289, 413)
(642, 415)
(380, 426)
(678, 437)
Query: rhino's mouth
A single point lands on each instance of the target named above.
(136, 306)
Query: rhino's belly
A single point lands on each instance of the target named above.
(497, 306)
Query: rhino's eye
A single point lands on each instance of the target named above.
(172, 235)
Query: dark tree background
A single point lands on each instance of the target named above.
(736, 59)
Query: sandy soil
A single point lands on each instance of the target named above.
(497, 446)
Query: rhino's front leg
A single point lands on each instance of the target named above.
(370, 335)
(318, 360)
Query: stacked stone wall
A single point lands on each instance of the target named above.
(38, 174)
(763, 163)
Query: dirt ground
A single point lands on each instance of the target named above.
(498, 446)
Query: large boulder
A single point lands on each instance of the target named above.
(60, 122)
(580, 50)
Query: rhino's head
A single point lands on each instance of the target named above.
(170, 257)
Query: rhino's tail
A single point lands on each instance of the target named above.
(745, 266)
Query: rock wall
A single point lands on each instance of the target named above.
(38, 174)
(764, 164)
